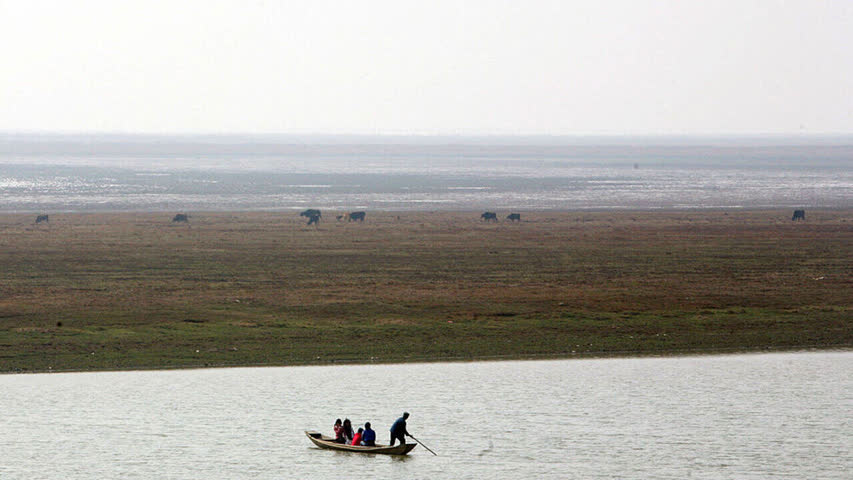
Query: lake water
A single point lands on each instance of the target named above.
(109, 173)
(753, 416)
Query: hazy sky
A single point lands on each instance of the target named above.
(453, 67)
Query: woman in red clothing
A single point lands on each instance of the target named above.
(356, 439)
(339, 432)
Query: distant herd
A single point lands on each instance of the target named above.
(493, 217)
(313, 215)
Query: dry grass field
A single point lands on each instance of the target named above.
(134, 290)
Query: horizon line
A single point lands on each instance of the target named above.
(413, 138)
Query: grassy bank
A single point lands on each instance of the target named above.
(107, 291)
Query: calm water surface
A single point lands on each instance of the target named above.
(721, 417)
(116, 174)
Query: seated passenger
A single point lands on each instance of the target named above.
(347, 431)
(368, 437)
(356, 439)
(339, 432)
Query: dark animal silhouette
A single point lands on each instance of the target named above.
(514, 217)
(339, 218)
(311, 212)
(181, 217)
(313, 215)
(489, 216)
(356, 217)
(42, 218)
(799, 215)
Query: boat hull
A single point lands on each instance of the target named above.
(328, 442)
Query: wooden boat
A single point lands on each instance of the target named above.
(328, 442)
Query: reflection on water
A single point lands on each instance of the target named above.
(716, 417)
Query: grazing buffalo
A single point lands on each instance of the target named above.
(799, 215)
(181, 217)
(489, 216)
(313, 215)
(356, 217)
(42, 218)
(514, 217)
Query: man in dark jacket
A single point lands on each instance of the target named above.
(398, 430)
(368, 437)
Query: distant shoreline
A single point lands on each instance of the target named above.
(530, 211)
(494, 358)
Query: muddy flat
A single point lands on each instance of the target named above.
(136, 290)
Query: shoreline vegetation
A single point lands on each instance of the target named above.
(130, 291)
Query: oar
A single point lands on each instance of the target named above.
(422, 444)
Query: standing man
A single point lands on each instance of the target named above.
(398, 430)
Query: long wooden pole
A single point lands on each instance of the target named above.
(422, 444)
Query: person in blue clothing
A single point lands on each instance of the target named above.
(368, 436)
(398, 430)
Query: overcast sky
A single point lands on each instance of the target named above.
(434, 67)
